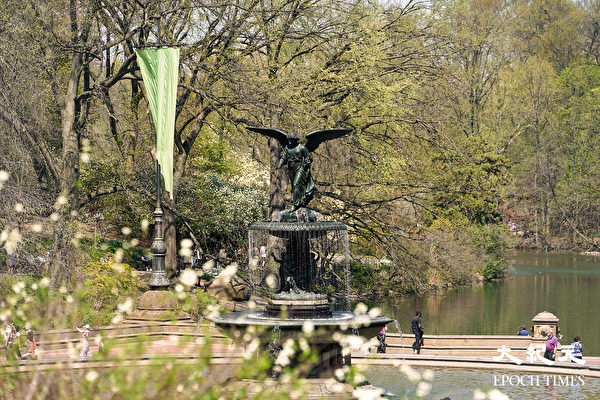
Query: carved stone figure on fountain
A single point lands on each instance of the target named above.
(298, 158)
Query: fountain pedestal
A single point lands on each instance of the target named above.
(298, 308)
(298, 304)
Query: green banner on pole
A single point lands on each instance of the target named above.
(160, 71)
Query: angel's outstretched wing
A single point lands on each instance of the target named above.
(314, 139)
(281, 136)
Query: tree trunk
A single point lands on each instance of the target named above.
(70, 139)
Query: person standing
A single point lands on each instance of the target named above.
(85, 344)
(31, 345)
(16, 335)
(8, 340)
(551, 344)
(417, 328)
(381, 337)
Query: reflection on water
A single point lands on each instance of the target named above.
(567, 285)
(460, 384)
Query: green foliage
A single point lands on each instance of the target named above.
(369, 278)
(222, 210)
(104, 249)
(197, 302)
(493, 240)
(137, 374)
(468, 186)
(214, 156)
(104, 285)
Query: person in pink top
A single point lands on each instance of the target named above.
(551, 344)
(381, 337)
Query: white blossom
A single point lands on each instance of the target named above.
(271, 281)
(367, 393)
(423, 389)
(212, 311)
(428, 375)
(361, 308)
(374, 312)
(228, 272)
(410, 373)
(19, 208)
(145, 224)
(308, 327)
(208, 266)
(361, 320)
(358, 379)
(189, 277)
(18, 287)
(126, 306)
(479, 395)
(12, 241)
(285, 354)
(185, 252)
(303, 343)
(251, 348)
(60, 201)
(118, 257)
(91, 376)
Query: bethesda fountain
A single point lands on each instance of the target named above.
(301, 262)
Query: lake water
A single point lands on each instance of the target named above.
(459, 384)
(567, 285)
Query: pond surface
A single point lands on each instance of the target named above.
(567, 285)
(459, 384)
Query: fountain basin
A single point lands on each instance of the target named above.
(321, 340)
(340, 321)
(283, 229)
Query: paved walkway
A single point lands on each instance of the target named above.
(590, 370)
(184, 341)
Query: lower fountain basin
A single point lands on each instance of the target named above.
(360, 324)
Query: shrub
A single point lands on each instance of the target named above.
(197, 303)
(104, 285)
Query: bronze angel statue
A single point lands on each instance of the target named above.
(298, 158)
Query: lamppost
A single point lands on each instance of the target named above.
(158, 276)
(159, 69)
